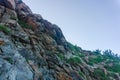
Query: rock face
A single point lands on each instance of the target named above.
(8, 3)
(32, 48)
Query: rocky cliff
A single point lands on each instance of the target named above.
(32, 48)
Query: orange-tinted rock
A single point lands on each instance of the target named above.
(63, 76)
(1, 42)
(32, 22)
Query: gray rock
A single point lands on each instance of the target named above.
(2, 9)
(21, 36)
(10, 4)
(14, 67)
(26, 53)
(12, 72)
(46, 74)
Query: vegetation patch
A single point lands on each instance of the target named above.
(24, 24)
(61, 56)
(90, 63)
(9, 59)
(4, 29)
(82, 75)
(100, 75)
(96, 60)
(114, 68)
(13, 17)
(74, 48)
(81, 55)
(74, 60)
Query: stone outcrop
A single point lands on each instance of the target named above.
(8, 3)
(32, 48)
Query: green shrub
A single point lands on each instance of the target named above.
(97, 52)
(74, 48)
(74, 60)
(113, 68)
(81, 55)
(24, 24)
(90, 63)
(9, 59)
(60, 55)
(100, 75)
(82, 75)
(96, 60)
(13, 17)
(4, 29)
(111, 74)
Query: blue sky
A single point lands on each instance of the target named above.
(90, 24)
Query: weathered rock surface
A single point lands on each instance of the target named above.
(32, 48)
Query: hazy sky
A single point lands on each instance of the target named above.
(91, 24)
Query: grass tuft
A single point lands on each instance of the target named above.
(4, 29)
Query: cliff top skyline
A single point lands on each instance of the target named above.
(89, 24)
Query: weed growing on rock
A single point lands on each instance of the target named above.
(4, 29)
(24, 24)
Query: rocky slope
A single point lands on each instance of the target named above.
(32, 48)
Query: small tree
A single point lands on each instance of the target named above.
(108, 53)
(97, 51)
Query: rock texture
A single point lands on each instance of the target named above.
(32, 48)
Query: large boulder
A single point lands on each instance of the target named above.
(11, 62)
(2, 2)
(10, 4)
